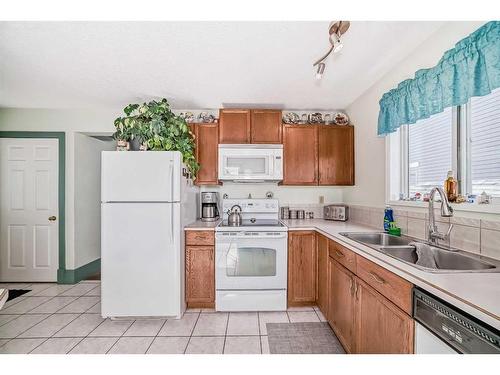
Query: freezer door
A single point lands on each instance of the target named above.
(141, 260)
(152, 176)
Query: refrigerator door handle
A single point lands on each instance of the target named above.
(171, 176)
(171, 224)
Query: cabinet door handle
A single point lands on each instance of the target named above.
(356, 289)
(351, 286)
(339, 253)
(377, 278)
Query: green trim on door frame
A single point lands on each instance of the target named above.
(78, 274)
(61, 137)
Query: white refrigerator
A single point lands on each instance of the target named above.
(146, 199)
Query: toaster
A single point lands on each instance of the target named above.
(338, 212)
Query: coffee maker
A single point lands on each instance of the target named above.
(209, 206)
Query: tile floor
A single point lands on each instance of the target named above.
(58, 319)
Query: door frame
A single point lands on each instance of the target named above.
(61, 137)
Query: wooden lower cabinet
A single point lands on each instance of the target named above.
(301, 268)
(322, 289)
(342, 304)
(381, 327)
(200, 276)
(364, 320)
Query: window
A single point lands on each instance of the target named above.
(429, 152)
(465, 139)
(484, 144)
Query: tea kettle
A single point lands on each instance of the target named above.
(234, 216)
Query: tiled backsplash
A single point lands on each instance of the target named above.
(474, 235)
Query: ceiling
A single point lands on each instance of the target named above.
(196, 64)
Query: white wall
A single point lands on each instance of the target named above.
(87, 203)
(370, 149)
(70, 122)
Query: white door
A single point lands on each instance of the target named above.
(29, 231)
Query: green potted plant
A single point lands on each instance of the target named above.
(155, 127)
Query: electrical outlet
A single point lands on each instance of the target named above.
(321, 199)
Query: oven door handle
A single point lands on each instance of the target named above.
(229, 238)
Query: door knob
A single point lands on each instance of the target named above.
(52, 218)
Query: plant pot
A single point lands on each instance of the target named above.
(122, 145)
(135, 144)
(143, 147)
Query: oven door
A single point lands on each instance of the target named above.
(251, 260)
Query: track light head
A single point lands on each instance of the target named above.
(320, 70)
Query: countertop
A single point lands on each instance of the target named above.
(475, 293)
(202, 225)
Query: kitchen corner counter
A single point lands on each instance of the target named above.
(475, 293)
(202, 225)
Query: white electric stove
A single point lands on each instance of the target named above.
(251, 259)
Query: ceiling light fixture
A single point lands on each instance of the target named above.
(336, 30)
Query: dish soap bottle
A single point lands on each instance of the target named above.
(451, 187)
(388, 218)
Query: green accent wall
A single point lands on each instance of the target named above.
(79, 274)
(61, 137)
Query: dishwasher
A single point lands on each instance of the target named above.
(441, 328)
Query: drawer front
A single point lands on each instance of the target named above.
(393, 287)
(200, 238)
(344, 256)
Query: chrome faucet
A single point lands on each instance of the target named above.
(446, 211)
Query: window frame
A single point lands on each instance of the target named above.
(397, 153)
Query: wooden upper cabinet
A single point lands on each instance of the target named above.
(301, 268)
(266, 126)
(234, 126)
(381, 327)
(342, 304)
(322, 290)
(200, 276)
(336, 155)
(300, 154)
(207, 139)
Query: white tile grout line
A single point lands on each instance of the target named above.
(258, 323)
(225, 333)
(154, 338)
(192, 331)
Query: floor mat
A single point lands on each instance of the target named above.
(302, 338)
(14, 293)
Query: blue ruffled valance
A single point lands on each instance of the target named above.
(470, 69)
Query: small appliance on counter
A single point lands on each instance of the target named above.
(209, 206)
(337, 212)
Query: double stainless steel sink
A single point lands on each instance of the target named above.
(444, 260)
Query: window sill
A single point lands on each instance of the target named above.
(464, 207)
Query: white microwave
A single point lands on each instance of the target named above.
(250, 163)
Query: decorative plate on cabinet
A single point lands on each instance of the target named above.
(341, 118)
(291, 118)
(315, 118)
